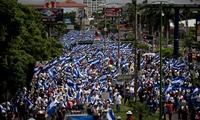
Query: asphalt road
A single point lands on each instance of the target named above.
(175, 116)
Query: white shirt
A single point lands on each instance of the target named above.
(31, 119)
(171, 99)
(118, 99)
(197, 98)
(180, 97)
(131, 89)
(167, 97)
(95, 98)
(196, 74)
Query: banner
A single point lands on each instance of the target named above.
(105, 95)
(82, 118)
(125, 27)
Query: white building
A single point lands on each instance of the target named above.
(93, 5)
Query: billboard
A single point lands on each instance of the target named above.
(112, 12)
(49, 3)
(125, 27)
(52, 15)
(171, 1)
(198, 27)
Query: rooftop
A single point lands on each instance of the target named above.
(67, 3)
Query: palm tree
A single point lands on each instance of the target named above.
(131, 11)
(168, 16)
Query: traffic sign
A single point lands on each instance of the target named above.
(67, 20)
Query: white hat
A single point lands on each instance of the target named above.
(95, 104)
(129, 113)
(3, 111)
(70, 98)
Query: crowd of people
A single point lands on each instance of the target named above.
(82, 80)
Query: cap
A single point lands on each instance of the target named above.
(129, 113)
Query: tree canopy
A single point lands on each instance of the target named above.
(23, 41)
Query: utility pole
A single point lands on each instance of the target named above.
(135, 52)
(160, 107)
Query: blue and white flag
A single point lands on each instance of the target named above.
(195, 92)
(51, 107)
(36, 70)
(28, 102)
(78, 96)
(139, 89)
(177, 81)
(110, 115)
(110, 98)
(167, 89)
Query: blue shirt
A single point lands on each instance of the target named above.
(179, 105)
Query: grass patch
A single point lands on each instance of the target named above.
(136, 110)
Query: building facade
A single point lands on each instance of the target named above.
(93, 5)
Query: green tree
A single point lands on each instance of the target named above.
(23, 41)
(168, 52)
(189, 38)
(131, 11)
(143, 46)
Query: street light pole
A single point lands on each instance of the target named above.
(105, 30)
(135, 52)
(118, 44)
(160, 115)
